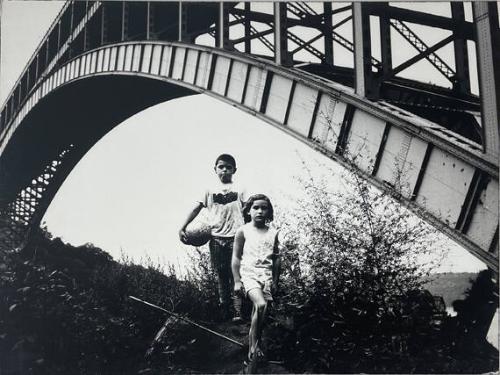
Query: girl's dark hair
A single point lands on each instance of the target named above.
(249, 203)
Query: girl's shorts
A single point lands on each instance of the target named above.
(253, 282)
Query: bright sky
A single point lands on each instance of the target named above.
(133, 189)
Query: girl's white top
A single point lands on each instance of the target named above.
(257, 257)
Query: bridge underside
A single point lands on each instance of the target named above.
(442, 176)
(455, 113)
(80, 114)
(101, 62)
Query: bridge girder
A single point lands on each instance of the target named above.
(447, 180)
(87, 26)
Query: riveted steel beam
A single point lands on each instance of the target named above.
(385, 42)
(149, 19)
(328, 41)
(280, 33)
(364, 81)
(104, 25)
(86, 28)
(300, 105)
(124, 19)
(254, 34)
(247, 24)
(488, 55)
(223, 26)
(422, 55)
(412, 38)
(462, 79)
(267, 18)
(421, 18)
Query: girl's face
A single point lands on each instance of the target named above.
(259, 212)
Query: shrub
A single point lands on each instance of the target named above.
(65, 310)
(353, 277)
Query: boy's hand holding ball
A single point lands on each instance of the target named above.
(182, 236)
(196, 233)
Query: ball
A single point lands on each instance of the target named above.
(198, 234)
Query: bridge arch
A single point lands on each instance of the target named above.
(451, 183)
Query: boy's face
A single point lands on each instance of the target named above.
(224, 171)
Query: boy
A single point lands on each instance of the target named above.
(224, 203)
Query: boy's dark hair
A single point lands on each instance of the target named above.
(249, 203)
(227, 158)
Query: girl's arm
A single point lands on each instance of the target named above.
(239, 241)
(276, 263)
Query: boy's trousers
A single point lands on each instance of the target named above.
(221, 252)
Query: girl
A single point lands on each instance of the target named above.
(255, 264)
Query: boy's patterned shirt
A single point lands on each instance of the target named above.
(224, 203)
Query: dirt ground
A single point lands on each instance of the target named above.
(189, 349)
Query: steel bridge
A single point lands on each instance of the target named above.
(101, 62)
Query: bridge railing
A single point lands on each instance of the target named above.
(53, 46)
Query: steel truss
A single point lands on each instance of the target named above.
(85, 25)
(25, 212)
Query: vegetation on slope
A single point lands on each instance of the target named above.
(352, 299)
(65, 310)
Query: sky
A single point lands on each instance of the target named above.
(135, 187)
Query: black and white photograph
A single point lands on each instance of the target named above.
(218, 187)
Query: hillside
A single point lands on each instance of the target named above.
(66, 310)
(450, 286)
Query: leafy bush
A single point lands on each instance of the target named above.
(65, 310)
(353, 278)
(351, 300)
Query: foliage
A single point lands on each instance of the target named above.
(351, 300)
(201, 275)
(353, 277)
(65, 310)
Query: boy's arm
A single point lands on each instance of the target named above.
(239, 241)
(194, 212)
(276, 263)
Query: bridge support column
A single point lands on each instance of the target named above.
(280, 34)
(182, 33)
(364, 82)
(248, 42)
(327, 32)
(462, 80)
(59, 41)
(104, 25)
(86, 28)
(148, 20)
(385, 41)
(487, 36)
(124, 20)
(71, 28)
(223, 26)
(46, 54)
